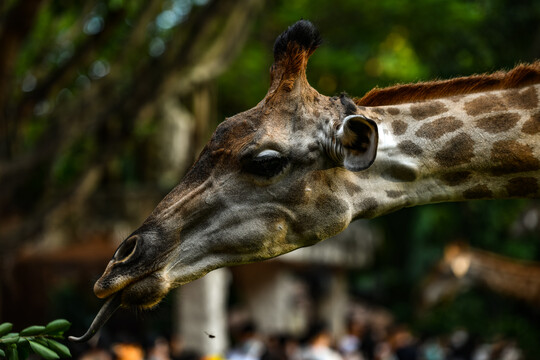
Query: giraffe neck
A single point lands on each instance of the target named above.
(475, 146)
(505, 276)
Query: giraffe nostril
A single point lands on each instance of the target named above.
(126, 248)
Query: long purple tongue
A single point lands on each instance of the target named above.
(110, 306)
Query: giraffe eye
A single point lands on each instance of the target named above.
(267, 163)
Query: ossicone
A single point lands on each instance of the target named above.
(292, 50)
(303, 34)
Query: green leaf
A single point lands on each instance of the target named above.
(57, 326)
(24, 349)
(33, 330)
(10, 338)
(12, 353)
(42, 351)
(59, 348)
(42, 341)
(2, 353)
(5, 328)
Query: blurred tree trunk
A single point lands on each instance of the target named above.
(71, 125)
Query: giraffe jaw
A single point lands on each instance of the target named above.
(142, 293)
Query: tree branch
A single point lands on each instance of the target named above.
(58, 78)
(121, 100)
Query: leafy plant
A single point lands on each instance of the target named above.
(41, 340)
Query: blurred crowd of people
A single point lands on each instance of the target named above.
(361, 342)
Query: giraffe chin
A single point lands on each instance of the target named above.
(143, 294)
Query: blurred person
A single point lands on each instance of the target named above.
(432, 349)
(368, 343)
(511, 351)
(461, 346)
(500, 349)
(280, 347)
(159, 349)
(403, 344)
(248, 344)
(383, 351)
(319, 343)
(482, 352)
(350, 344)
(178, 350)
(293, 349)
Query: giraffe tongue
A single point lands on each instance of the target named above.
(110, 306)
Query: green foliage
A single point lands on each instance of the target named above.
(71, 163)
(41, 340)
(378, 43)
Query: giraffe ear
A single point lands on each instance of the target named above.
(359, 137)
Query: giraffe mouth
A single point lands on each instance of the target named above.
(144, 293)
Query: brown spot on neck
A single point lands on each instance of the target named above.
(407, 147)
(352, 188)
(399, 127)
(455, 178)
(522, 187)
(509, 157)
(393, 111)
(369, 207)
(379, 111)
(484, 104)
(424, 110)
(457, 151)
(525, 99)
(437, 128)
(394, 194)
(532, 126)
(478, 192)
(498, 123)
(399, 172)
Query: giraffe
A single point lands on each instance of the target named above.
(463, 266)
(299, 167)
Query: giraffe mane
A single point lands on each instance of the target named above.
(521, 76)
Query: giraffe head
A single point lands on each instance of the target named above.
(449, 276)
(263, 186)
